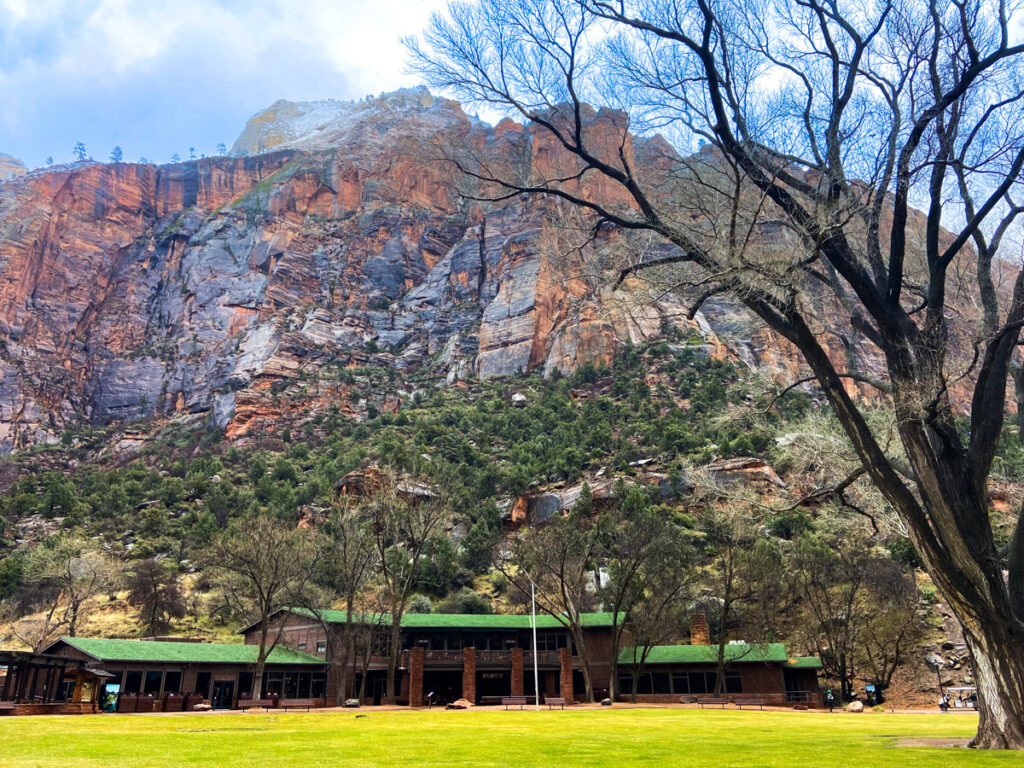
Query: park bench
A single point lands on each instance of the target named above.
(490, 700)
(554, 701)
(759, 703)
(712, 700)
(306, 704)
(513, 701)
(256, 704)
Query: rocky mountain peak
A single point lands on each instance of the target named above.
(319, 125)
(11, 167)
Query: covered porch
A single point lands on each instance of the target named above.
(43, 683)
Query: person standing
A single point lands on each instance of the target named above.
(830, 699)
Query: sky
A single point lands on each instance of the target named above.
(156, 77)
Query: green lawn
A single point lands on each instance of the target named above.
(619, 738)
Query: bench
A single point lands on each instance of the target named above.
(256, 704)
(306, 704)
(759, 703)
(712, 700)
(490, 700)
(554, 701)
(513, 701)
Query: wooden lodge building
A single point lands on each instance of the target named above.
(444, 657)
(483, 658)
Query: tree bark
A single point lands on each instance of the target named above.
(393, 653)
(998, 662)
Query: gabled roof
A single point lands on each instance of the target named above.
(171, 652)
(484, 621)
(708, 654)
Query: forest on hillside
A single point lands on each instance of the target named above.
(779, 537)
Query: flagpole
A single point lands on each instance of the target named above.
(533, 623)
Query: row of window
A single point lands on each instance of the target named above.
(680, 682)
(154, 681)
(296, 685)
(321, 647)
(457, 641)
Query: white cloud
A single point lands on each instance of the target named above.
(159, 75)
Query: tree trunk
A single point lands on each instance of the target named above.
(257, 678)
(393, 653)
(997, 658)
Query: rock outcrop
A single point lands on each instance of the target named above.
(330, 239)
(11, 167)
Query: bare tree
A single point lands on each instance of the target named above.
(265, 564)
(60, 577)
(824, 122)
(649, 568)
(831, 581)
(349, 562)
(402, 525)
(893, 627)
(558, 561)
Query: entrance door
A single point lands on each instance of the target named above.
(223, 694)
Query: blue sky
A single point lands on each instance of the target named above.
(159, 76)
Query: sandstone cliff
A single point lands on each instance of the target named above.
(328, 238)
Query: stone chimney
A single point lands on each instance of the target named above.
(699, 634)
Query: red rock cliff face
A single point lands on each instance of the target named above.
(131, 290)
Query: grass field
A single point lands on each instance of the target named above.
(619, 738)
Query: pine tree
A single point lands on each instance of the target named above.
(79, 151)
(116, 155)
(222, 149)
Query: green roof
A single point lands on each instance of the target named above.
(708, 654)
(469, 620)
(804, 662)
(165, 651)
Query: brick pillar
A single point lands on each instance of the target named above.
(565, 661)
(548, 683)
(403, 684)
(416, 677)
(469, 674)
(517, 671)
(699, 634)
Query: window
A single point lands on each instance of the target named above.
(551, 641)
(698, 682)
(67, 690)
(153, 678)
(660, 682)
(626, 684)
(203, 684)
(172, 681)
(301, 646)
(291, 685)
(680, 682)
(132, 682)
(321, 647)
(245, 683)
(732, 682)
(318, 686)
(273, 683)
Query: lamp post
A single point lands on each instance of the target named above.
(533, 624)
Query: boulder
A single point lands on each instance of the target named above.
(855, 706)
(518, 400)
(459, 704)
(606, 702)
(351, 703)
